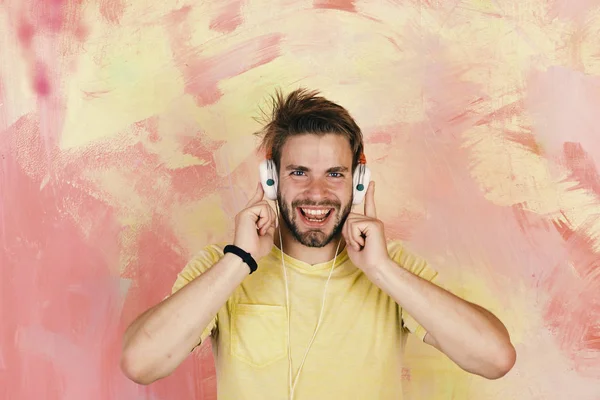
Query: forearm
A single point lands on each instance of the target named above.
(161, 338)
(469, 335)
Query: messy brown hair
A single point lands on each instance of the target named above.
(305, 111)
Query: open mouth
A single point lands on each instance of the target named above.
(315, 216)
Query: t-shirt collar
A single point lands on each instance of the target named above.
(304, 266)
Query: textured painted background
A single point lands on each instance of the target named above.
(125, 144)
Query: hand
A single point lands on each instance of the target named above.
(365, 237)
(255, 226)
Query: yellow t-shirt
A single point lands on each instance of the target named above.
(357, 353)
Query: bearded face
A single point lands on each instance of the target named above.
(315, 187)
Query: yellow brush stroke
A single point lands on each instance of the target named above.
(118, 189)
(511, 174)
(119, 82)
(201, 222)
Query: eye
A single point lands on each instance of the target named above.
(336, 175)
(297, 173)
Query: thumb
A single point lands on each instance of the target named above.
(370, 209)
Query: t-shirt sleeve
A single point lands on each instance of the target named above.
(199, 264)
(420, 267)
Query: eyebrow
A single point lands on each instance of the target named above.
(293, 167)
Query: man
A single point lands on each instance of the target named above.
(371, 292)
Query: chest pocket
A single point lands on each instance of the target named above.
(258, 333)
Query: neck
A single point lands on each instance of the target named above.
(309, 255)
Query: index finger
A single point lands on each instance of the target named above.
(258, 196)
(370, 210)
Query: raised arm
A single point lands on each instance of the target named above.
(163, 336)
(156, 343)
(468, 334)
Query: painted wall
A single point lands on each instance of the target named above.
(125, 146)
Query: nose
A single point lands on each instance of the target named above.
(317, 189)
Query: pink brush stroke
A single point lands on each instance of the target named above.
(202, 74)
(583, 168)
(568, 9)
(342, 5)
(563, 104)
(112, 10)
(229, 17)
(69, 325)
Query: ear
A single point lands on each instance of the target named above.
(268, 179)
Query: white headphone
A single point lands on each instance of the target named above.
(269, 182)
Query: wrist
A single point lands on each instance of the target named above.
(235, 264)
(243, 255)
(248, 248)
(245, 247)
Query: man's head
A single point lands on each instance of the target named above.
(315, 145)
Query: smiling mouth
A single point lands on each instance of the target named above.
(315, 215)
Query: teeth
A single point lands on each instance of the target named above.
(314, 212)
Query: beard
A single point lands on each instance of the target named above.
(314, 237)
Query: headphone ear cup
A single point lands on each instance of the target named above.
(360, 183)
(268, 179)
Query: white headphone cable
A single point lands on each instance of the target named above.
(287, 303)
(318, 324)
